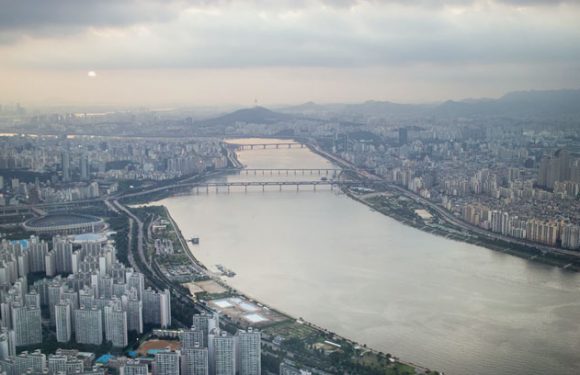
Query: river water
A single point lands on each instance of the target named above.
(443, 304)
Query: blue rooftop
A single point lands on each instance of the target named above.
(104, 359)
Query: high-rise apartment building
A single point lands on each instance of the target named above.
(89, 326)
(249, 352)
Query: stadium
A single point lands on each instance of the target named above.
(65, 224)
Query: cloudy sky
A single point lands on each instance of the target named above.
(207, 52)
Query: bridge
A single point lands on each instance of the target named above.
(264, 146)
(263, 184)
(286, 171)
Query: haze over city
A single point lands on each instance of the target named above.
(309, 187)
(181, 52)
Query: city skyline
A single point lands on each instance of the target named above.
(298, 187)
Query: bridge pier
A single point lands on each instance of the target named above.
(245, 188)
(207, 189)
(297, 187)
(263, 188)
(280, 186)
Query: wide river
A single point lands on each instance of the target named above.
(443, 304)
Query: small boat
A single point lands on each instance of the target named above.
(194, 240)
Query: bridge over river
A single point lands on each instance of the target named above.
(287, 171)
(265, 146)
(280, 184)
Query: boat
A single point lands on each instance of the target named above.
(225, 271)
(194, 240)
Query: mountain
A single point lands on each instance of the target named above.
(517, 104)
(555, 103)
(368, 108)
(255, 115)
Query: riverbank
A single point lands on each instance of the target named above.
(393, 287)
(293, 329)
(453, 233)
(351, 354)
(532, 252)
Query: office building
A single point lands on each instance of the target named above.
(65, 166)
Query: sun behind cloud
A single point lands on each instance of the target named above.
(92, 74)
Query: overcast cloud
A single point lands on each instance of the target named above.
(426, 39)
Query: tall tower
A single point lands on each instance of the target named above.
(65, 165)
(403, 136)
(85, 171)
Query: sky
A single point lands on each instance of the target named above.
(220, 52)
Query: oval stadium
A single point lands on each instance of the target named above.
(64, 224)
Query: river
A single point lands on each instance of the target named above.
(444, 304)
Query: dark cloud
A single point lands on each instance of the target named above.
(32, 17)
(240, 36)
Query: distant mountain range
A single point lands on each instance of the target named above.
(518, 104)
(521, 104)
